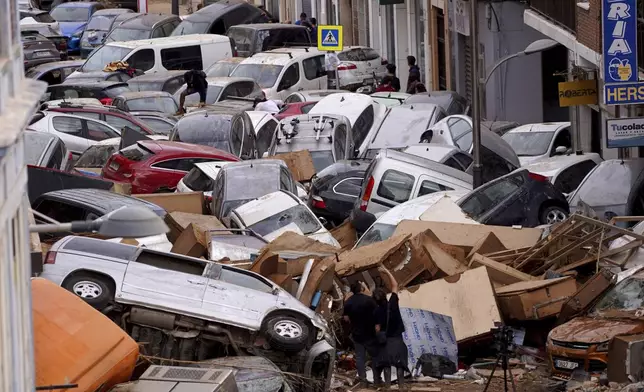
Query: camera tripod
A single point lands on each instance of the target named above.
(503, 337)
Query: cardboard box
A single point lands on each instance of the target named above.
(192, 242)
(345, 234)
(300, 163)
(626, 354)
(500, 273)
(178, 221)
(191, 202)
(535, 300)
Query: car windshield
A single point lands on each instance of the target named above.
(96, 156)
(529, 144)
(101, 23)
(213, 131)
(251, 182)
(409, 125)
(628, 295)
(297, 215)
(189, 27)
(103, 56)
(377, 232)
(146, 86)
(322, 159)
(35, 144)
(193, 99)
(265, 75)
(153, 104)
(159, 126)
(32, 72)
(70, 14)
(125, 34)
(221, 69)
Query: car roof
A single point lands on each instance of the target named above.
(553, 165)
(211, 169)
(426, 164)
(86, 4)
(80, 82)
(231, 60)
(268, 26)
(265, 206)
(191, 39)
(215, 8)
(432, 151)
(178, 148)
(346, 166)
(145, 21)
(350, 105)
(226, 80)
(255, 162)
(59, 64)
(144, 94)
(157, 76)
(90, 74)
(100, 199)
(41, 135)
(281, 56)
(112, 11)
(540, 127)
(414, 208)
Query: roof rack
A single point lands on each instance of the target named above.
(321, 122)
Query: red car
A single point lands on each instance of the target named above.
(115, 117)
(295, 108)
(157, 166)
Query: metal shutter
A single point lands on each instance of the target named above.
(467, 49)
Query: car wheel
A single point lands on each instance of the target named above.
(552, 214)
(287, 333)
(96, 290)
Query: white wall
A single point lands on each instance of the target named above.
(401, 29)
(514, 92)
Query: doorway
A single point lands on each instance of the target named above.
(556, 63)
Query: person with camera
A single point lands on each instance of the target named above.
(389, 333)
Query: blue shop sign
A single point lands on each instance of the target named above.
(620, 53)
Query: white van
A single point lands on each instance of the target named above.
(281, 72)
(196, 51)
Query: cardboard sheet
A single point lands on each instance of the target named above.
(300, 163)
(535, 300)
(369, 256)
(466, 235)
(191, 202)
(467, 298)
(445, 210)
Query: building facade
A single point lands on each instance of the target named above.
(18, 100)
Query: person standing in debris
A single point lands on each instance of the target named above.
(359, 310)
(395, 82)
(415, 86)
(196, 84)
(414, 71)
(314, 31)
(390, 328)
(302, 19)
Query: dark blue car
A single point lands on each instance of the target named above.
(72, 18)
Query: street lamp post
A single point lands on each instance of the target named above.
(128, 222)
(477, 169)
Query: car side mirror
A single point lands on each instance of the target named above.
(561, 150)
(323, 221)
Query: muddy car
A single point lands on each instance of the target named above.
(583, 342)
(190, 309)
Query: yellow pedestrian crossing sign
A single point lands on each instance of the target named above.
(330, 38)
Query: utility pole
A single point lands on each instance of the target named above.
(475, 77)
(175, 7)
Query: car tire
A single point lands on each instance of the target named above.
(552, 214)
(94, 289)
(286, 333)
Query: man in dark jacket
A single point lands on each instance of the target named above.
(414, 71)
(359, 310)
(196, 84)
(395, 82)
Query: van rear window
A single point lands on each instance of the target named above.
(396, 186)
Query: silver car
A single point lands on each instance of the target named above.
(78, 133)
(169, 291)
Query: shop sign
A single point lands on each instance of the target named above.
(625, 132)
(579, 92)
(619, 36)
(462, 17)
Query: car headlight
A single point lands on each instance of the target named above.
(603, 347)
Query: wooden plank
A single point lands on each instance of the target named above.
(499, 272)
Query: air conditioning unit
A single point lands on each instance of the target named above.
(184, 379)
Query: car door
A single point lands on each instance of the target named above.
(120, 122)
(394, 187)
(70, 130)
(561, 139)
(289, 81)
(315, 76)
(569, 179)
(95, 131)
(501, 202)
(161, 280)
(237, 297)
(428, 184)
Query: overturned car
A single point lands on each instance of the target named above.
(192, 310)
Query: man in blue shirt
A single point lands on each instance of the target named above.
(302, 19)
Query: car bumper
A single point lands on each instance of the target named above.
(588, 360)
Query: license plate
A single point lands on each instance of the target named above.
(566, 364)
(114, 166)
(46, 53)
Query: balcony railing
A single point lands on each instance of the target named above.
(562, 12)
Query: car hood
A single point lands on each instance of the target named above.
(69, 28)
(527, 160)
(595, 330)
